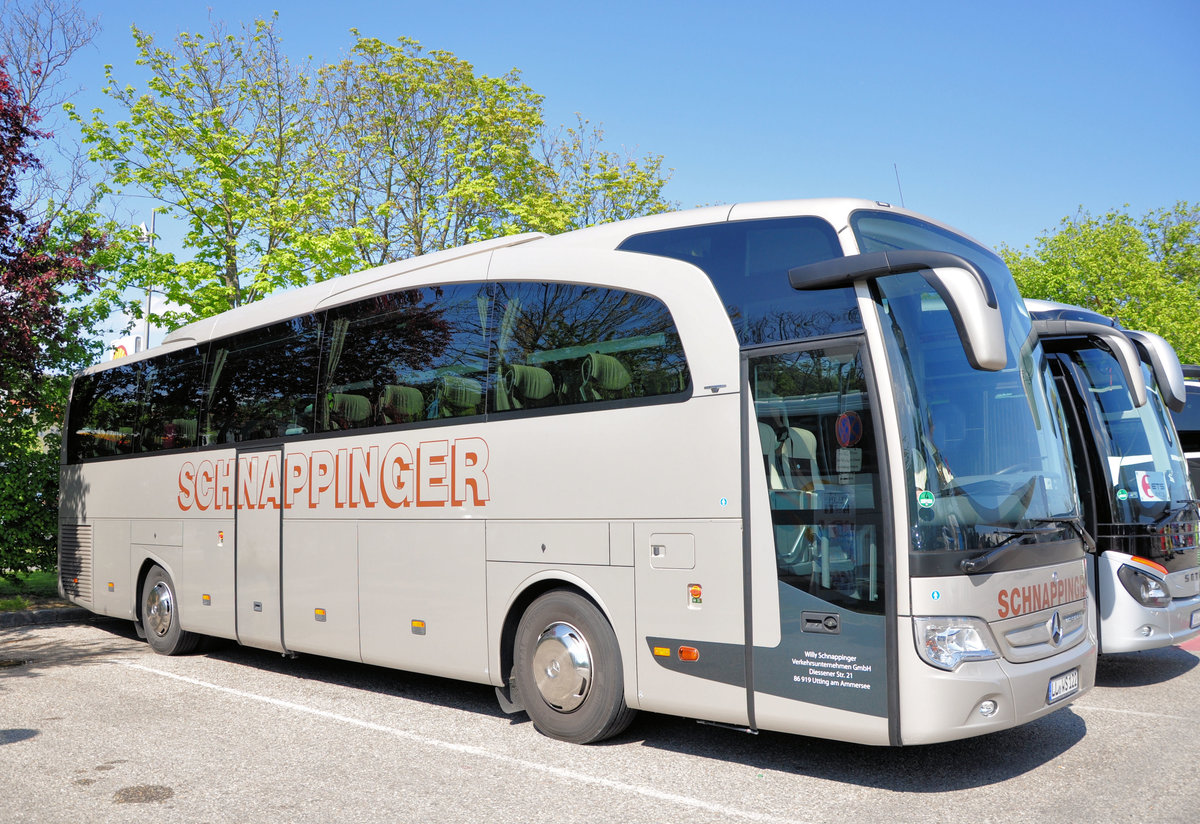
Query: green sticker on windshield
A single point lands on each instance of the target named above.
(925, 499)
(1122, 494)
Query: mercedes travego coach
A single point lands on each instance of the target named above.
(1138, 502)
(792, 466)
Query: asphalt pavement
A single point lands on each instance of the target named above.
(95, 727)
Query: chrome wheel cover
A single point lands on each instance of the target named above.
(562, 667)
(159, 609)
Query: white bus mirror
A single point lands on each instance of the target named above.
(1120, 345)
(964, 288)
(1164, 363)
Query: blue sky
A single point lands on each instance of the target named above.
(1001, 118)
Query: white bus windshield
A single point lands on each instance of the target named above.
(1145, 468)
(985, 453)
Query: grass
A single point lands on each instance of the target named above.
(29, 590)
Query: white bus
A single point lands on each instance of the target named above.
(1117, 387)
(792, 466)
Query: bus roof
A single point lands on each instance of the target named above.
(606, 236)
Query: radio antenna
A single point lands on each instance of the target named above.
(896, 169)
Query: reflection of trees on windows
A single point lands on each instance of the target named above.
(171, 400)
(382, 339)
(104, 412)
(777, 325)
(582, 343)
(263, 383)
(405, 356)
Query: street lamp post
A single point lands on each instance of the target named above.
(149, 236)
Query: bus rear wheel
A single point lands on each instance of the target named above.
(568, 670)
(160, 618)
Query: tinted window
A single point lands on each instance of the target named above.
(1188, 421)
(748, 262)
(816, 430)
(560, 344)
(171, 396)
(104, 413)
(262, 383)
(408, 356)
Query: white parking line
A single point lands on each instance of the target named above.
(479, 752)
(1133, 712)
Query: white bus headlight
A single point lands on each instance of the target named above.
(947, 642)
(1148, 590)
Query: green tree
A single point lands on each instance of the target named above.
(432, 155)
(222, 136)
(28, 486)
(1143, 272)
(44, 268)
(588, 184)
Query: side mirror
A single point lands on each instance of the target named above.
(1164, 363)
(964, 288)
(1121, 347)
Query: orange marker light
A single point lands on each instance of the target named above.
(662, 652)
(1159, 568)
(689, 654)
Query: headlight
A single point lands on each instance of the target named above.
(947, 642)
(1148, 590)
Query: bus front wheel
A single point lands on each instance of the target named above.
(160, 617)
(568, 670)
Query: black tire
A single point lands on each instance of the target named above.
(160, 616)
(567, 667)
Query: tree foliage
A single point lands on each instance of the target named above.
(592, 185)
(28, 489)
(40, 266)
(1145, 272)
(222, 136)
(431, 155)
(37, 264)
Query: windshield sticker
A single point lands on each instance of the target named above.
(849, 428)
(925, 499)
(1122, 494)
(1152, 486)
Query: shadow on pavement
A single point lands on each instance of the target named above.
(1140, 669)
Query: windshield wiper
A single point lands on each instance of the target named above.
(1076, 524)
(982, 562)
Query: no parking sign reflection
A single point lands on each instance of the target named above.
(849, 429)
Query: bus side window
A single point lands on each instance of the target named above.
(822, 473)
(261, 383)
(419, 354)
(104, 413)
(171, 399)
(559, 345)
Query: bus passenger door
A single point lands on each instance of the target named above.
(259, 519)
(815, 517)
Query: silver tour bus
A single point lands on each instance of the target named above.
(792, 466)
(1117, 387)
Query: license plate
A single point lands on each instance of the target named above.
(1062, 685)
(1196, 619)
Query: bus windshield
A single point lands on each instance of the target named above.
(985, 454)
(1145, 468)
